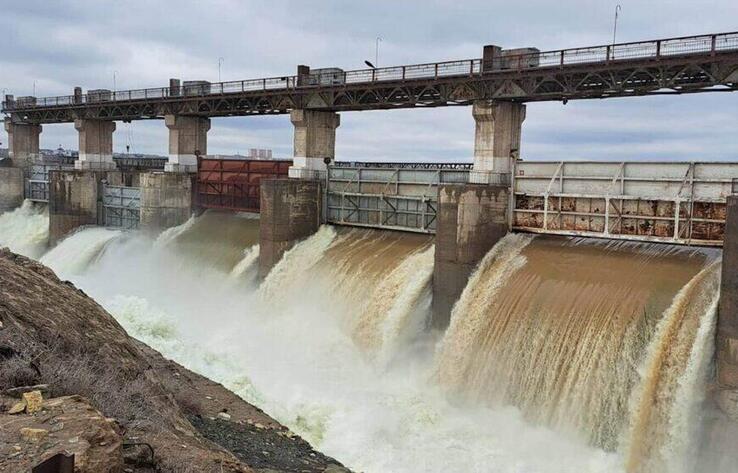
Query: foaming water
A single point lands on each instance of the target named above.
(75, 253)
(248, 268)
(378, 281)
(25, 230)
(323, 343)
(559, 329)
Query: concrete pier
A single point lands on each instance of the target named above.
(73, 197)
(166, 200)
(290, 212)
(188, 137)
(471, 220)
(95, 145)
(23, 143)
(11, 188)
(497, 135)
(727, 327)
(314, 140)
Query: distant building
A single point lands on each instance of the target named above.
(257, 153)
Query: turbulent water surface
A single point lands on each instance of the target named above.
(562, 355)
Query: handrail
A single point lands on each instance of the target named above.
(653, 49)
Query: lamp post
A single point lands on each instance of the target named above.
(618, 8)
(376, 50)
(220, 63)
(34, 88)
(115, 75)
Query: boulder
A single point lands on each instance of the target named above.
(70, 424)
(33, 435)
(34, 401)
(17, 408)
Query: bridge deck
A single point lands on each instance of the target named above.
(706, 63)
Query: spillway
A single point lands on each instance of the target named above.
(562, 355)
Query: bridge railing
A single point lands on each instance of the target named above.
(656, 49)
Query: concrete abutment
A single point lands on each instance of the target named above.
(23, 143)
(498, 127)
(727, 326)
(188, 138)
(290, 211)
(11, 188)
(166, 200)
(95, 145)
(471, 220)
(75, 200)
(314, 140)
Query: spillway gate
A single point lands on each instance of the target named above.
(121, 206)
(392, 196)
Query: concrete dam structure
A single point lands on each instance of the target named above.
(543, 316)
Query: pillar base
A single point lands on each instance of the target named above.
(11, 188)
(73, 197)
(166, 200)
(290, 212)
(726, 346)
(471, 220)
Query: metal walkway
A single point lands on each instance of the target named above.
(707, 63)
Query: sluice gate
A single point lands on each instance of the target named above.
(234, 184)
(670, 202)
(121, 206)
(393, 196)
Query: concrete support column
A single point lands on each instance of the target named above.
(166, 200)
(290, 211)
(188, 137)
(471, 220)
(73, 197)
(23, 141)
(95, 145)
(314, 140)
(497, 135)
(11, 188)
(727, 327)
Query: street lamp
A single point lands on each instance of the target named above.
(618, 8)
(376, 50)
(34, 88)
(220, 63)
(115, 74)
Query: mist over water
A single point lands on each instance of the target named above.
(545, 368)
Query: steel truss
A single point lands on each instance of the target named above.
(706, 63)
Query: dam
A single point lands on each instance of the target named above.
(503, 315)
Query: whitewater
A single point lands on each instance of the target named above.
(334, 343)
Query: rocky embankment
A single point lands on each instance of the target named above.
(73, 382)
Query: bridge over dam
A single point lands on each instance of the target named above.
(469, 207)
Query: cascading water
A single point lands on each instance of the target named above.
(559, 329)
(559, 334)
(25, 230)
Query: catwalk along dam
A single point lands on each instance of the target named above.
(598, 299)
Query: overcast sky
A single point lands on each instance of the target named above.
(60, 45)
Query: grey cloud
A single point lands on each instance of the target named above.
(147, 42)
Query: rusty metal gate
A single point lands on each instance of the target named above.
(121, 206)
(234, 184)
(672, 202)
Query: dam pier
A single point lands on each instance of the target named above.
(467, 207)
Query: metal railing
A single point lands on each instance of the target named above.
(656, 49)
